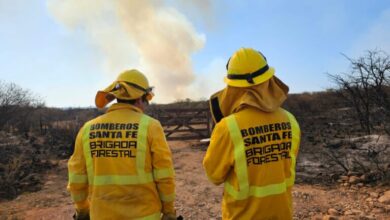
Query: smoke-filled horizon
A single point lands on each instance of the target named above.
(147, 35)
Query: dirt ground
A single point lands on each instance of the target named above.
(199, 199)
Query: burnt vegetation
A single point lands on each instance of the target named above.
(345, 130)
(33, 138)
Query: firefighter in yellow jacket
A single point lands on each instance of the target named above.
(254, 145)
(121, 167)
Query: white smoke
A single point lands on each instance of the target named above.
(144, 34)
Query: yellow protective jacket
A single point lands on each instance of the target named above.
(253, 152)
(121, 167)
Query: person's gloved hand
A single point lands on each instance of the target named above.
(81, 216)
(168, 217)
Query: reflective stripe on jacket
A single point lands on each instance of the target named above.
(254, 154)
(121, 167)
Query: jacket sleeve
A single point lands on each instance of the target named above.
(163, 171)
(219, 159)
(77, 174)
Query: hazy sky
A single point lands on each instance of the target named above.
(66, 50)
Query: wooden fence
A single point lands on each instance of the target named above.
(184, 123)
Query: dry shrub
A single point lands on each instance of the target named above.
(366, 86)
(61, 141)
(20, 168)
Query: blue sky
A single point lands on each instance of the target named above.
(65, 51)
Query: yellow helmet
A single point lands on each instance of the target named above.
(247, 67)
(129, 85)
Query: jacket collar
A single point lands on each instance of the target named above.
(120, 106)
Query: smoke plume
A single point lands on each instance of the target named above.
(148, 35)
